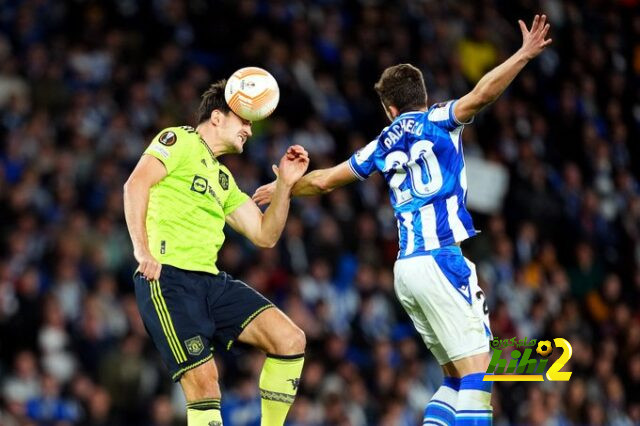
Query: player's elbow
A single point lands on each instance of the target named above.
(322, 185)
(265, 242)
(131, 187)
(270, 244)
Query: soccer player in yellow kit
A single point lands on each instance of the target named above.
(177, 201)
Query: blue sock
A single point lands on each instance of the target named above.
(474, 401)
(441, 408)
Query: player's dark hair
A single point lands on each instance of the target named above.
(213, 98)
(403, 87)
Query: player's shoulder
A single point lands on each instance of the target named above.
(224, 168)
(442, 116)
(439, 108)
(170, 136)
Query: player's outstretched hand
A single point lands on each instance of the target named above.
(148, 266)
(293, 165)
(534, 41)
(263, 195)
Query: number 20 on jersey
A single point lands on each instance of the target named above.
(417, 173)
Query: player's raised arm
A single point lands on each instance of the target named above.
(317, 182)
(495, 82)
(264, 230)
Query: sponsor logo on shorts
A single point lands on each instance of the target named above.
(194, 345)
(528, 369)
(168, 138)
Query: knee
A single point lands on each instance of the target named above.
(200, 384)
(299, 341)
(471, 365)
(291, 342)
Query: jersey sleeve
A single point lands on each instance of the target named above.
(362, 162)
(170, 146)
(442, 115)
(235, 198)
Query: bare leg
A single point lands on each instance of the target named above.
(202, 391)
(273, 332)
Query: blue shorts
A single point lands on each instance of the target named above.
(188, 314)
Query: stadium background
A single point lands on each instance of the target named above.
(84, 85)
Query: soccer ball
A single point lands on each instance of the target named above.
(252, 93)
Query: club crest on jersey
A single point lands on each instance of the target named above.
(194, 345)
(223, 180)
(168, 138)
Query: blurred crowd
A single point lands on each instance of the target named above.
(86, 84)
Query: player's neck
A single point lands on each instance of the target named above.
(395, 113)
(207, 134)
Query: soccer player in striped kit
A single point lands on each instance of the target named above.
(420, 156)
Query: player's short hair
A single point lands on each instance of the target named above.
(213, 98)
(403, 87)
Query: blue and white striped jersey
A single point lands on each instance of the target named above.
(420, 156)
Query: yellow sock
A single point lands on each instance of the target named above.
(205, 412)
(279, 382)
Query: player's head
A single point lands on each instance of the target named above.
(401, 88)
(231, 131)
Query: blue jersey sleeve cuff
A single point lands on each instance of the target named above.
(354, 169)
(453, 117)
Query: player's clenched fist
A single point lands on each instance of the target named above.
(298, 159)
(148, 266)
(293, 165)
